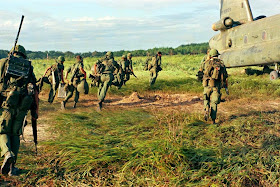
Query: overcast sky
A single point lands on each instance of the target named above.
(102, 25)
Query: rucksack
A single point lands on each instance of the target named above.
(18, 67)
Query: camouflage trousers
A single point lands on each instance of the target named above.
(126, 77)
(105, 83)
(153, 76)
(53, 89)
(118, 80)
(71, 89)
(211, 98)
(13, 113)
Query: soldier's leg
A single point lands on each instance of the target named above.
(151, 76)
(77, 96)
(154, 75)
(107, 80)
(5, 144)
(15, 143)
(215, 98)
(70, 93)
(52, 94)
(99, 89)
(6, 122)
(206, 101)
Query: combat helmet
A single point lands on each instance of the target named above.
(213, 53)
(20, 50)
(109, 54)
(129, 55)
(61, 59)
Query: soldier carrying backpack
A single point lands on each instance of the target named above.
(214, 78)
(52, 76)
(19, 93)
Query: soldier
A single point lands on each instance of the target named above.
(154, 66)
(77, 71)
(118, 73)
(18, 89)
(129, 69)
(214, 78)
(105, 71)
(52, 76)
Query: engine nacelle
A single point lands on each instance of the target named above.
(223, 24)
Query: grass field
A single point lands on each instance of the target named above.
(132, 145)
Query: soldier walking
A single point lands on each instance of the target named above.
(214, 78)
(53, 76)
(77, 72)
(18, 92)
(154, 66)
(128, 68)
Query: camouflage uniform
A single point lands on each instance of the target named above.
(108, 66)
(53, 76)
(128, 68)
(17, 92)
(118, 74)
(154, 66)
(215, 76)
(77, 71)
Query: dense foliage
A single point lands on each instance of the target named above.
(183, 49)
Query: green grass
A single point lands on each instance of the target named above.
(155, 148)
(159, 147)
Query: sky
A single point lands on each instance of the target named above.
(111, 25)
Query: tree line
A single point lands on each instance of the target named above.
(189, 49)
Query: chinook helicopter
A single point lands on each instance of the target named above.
(245, 41)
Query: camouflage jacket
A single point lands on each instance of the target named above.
(75, 70)
(57, 68)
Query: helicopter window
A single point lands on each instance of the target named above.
(264, 35)
(245, 39)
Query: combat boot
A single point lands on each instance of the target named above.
(13, 170)
(214, 121)
(63, 103)
(206, 114)
(7, 163)
(75, 105)
(99, 106)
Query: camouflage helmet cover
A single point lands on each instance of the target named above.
(129, 55)
(110, 54)
(61, 59)
(213, 53)
(19, 49)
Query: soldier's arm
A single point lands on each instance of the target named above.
(47, 71)
(130, 65)
(62, 79)
(84, 72)
(67, 72)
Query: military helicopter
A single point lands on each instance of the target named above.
(244, 40)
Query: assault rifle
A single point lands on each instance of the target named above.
(132, 73)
